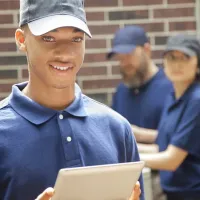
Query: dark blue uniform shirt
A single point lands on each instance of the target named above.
(143, 106)
(35, 142)
(180, 126)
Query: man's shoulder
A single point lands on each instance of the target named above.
(97, 109)
(161, 82)
(8, 116)
(4, 103)
(5, 109)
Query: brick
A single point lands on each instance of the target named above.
(8, 74)
(157, 54)
(95, 16)
(101, 3)
(13, 60)
(102, 97)
(125, 15)
(25, 73)
(102, 83)
(152, 27)
(7, 32)
(181, 2)
(104, 29)
(141, 2)
(7, 47)
(161, 40)
(98, 57)
(5, 87)
(95, 44)
(6, 19)
(182, 26)
(9, 4)
(176, 12)
(89, 71)
(115, 70)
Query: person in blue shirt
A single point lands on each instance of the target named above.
(47, 123)
(140, 98)
(178, 158)
(136, 97)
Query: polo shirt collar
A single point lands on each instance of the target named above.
(143, 87)
(38, 114)
(184, 97)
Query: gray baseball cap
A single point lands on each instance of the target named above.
(187, 44)
(43, 16)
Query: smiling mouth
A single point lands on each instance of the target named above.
(62, 68)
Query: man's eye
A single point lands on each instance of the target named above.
(48, 39)
(79, 39)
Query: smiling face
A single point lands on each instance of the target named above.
(53, 58)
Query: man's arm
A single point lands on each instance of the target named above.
(170, 159)
(147, 148)
(144, 135)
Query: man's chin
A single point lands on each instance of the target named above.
(131, 84)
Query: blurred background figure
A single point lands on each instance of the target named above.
(141, 96)
(178, 158)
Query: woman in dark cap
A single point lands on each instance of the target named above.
(178, 140)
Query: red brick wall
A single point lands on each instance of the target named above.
(98, 77)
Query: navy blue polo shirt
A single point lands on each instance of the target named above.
(143, 106)
(180, 126)
(35, 142)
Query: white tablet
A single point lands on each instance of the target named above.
(103, 182)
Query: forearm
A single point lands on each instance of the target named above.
(158, 161)
(147, 148)
(169, 160)
(144, 135)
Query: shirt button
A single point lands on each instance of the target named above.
(69, 139)
(136, 91)
(61, 116)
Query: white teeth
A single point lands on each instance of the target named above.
(61, 68)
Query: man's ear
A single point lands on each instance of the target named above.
(147, 49)
(20, 39)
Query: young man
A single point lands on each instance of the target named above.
(141, 96)
(47, 123)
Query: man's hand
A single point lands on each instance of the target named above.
(46, 195)
(49, 192)
(136, 192)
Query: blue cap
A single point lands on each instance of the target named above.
(43, 16)
(127, 39)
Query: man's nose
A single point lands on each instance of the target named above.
(65, 53)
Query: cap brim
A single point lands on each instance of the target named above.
(123, 49)
(184, 50)
(46, 24)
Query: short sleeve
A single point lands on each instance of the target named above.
(188, 131)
